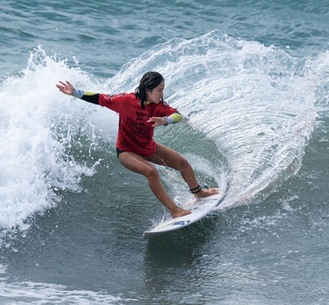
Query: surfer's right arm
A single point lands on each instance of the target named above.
(67, 88)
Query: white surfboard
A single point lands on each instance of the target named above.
(199, 208)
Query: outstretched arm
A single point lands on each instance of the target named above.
(67, 88)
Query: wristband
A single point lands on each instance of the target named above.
(78, 93)
(168, 121)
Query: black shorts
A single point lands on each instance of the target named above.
(119, 151)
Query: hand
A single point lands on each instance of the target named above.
(66, 87)
(157, 121)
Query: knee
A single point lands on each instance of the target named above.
(151, 172)
(183, 165)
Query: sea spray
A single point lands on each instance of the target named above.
(38, 127)
(255, 102)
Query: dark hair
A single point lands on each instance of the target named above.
(149, 81)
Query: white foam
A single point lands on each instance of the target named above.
(257, 103)
(37, 129)
(41, 293)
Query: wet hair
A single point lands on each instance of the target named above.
(148, 82)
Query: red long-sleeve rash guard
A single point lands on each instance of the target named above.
(135, 134)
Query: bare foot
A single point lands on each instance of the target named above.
(179, 212)
(207, 193)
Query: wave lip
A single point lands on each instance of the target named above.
(255, 102)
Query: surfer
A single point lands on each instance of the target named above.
(139, 112)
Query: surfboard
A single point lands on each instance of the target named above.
(199, 208)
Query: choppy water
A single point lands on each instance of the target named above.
(251, 78)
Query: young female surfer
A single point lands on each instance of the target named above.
(139, 112)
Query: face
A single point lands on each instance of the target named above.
(155, 95)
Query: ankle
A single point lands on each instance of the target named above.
(196, 190)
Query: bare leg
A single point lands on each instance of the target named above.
(168, 157)
(138, 164)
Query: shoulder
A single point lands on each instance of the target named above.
(165, 104)
(162, 105)
(163, 109)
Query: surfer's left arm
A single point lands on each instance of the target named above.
(164, 121)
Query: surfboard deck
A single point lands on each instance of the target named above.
(199, 208)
